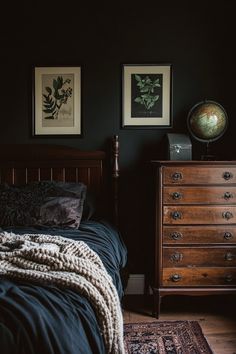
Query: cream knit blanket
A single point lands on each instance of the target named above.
(66, 263)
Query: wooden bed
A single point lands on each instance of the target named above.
(98, 170)
(37, 306)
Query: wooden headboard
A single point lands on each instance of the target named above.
(24, 163)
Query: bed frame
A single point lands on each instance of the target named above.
(24, 163)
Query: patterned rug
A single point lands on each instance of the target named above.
(165, 337)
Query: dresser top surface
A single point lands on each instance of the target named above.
(194, 162)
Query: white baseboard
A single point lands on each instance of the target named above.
(135, 284)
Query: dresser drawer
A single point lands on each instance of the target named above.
(199, 195)
(199, 256)
(180, 277)
(199, 214)
(199, 174)
(199, 234)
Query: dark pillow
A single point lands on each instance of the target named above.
(44, 203)
(90, 206)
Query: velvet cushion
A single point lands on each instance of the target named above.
(45, 203)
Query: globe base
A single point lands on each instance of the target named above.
(208, 156)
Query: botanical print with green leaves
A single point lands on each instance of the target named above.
(57, 95)
(147, 91)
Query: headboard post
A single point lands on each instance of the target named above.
(115, 178)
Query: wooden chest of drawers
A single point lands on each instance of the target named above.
(195, 232)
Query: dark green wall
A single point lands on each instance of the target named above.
(198, 41)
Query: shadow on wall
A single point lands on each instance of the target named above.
(136, 202)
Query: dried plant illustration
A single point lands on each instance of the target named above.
(146, 88)
(56, 96)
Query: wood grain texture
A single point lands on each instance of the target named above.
(199, 214)
(199, 276)
(195, 234)
(199, 256)
(199, 195)
(193, 174)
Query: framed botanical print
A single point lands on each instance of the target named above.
(147, 96)
(56, 101)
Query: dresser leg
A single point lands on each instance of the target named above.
(156, 303)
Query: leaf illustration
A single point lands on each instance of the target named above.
(58, 95)
(138, 77)
(155, 98)
(49, 90)
(49, 110)
(55, 84)
(59, 82)
(156, 83)
(49, 105)
(146, 87)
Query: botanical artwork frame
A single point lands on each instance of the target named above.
(56, 101)
(147, 96)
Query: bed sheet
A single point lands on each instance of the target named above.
(47, 319)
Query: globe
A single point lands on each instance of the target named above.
(207, 121)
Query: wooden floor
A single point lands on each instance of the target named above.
(216, 315)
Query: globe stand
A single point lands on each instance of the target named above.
(208, 156)
(207, 121)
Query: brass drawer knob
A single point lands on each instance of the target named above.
(228, 278)
(176, 235)
(229, 256)
(176, 215)
(227, 215)
(228, 195)
(227, 175)
(177, 176)
(176, 257)
(176, 195)
(175, 277)
(228, 235)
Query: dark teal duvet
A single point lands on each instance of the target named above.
(50, 320)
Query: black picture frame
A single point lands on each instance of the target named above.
(146, 96)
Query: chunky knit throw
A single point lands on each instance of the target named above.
(66, 263)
